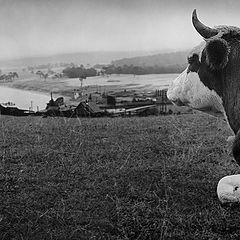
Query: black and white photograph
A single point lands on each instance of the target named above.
(119, 120)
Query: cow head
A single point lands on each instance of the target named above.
(211, 80)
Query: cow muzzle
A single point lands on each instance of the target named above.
(179, 102)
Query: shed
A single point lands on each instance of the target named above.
(88, 109)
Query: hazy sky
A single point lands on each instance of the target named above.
(45, 27)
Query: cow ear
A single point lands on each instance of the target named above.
(217, 50)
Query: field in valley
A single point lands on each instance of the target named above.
(120, 178)
(65, 86)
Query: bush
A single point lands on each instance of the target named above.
(79, 72)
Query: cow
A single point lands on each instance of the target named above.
(211, 82)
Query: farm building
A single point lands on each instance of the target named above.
(88, 109)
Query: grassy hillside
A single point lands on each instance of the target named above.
(122, 178)
(163, 60)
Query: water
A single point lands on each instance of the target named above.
(23, 99)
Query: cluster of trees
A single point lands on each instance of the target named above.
(79, 72)
(72, 71)
(141, 70)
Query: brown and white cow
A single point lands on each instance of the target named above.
(211, 81)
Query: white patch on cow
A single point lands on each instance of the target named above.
(187, 89)
(231, 139)
(228, 189)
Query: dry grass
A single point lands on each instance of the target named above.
(122, 178)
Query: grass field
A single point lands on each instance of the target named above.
(121, 178)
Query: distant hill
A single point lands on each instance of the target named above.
(164, 60)
(173, 62)
(84, 58)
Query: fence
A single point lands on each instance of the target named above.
(162, 101)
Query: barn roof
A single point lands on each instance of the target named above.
(91, 106)
(94, 107)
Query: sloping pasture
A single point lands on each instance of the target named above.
(120, 178)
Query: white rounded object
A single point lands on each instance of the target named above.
(228, 189)
(231, 139)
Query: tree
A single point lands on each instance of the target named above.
(79, 72)
(44, 75)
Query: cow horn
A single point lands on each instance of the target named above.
(203, 30)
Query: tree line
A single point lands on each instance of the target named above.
(142, 70)
(82, 72)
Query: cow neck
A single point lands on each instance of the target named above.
(231, 88)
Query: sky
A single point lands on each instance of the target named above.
(48, 27)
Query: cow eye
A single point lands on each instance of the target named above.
(194, 63)
(193, 58)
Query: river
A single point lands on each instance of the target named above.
(24, 99)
